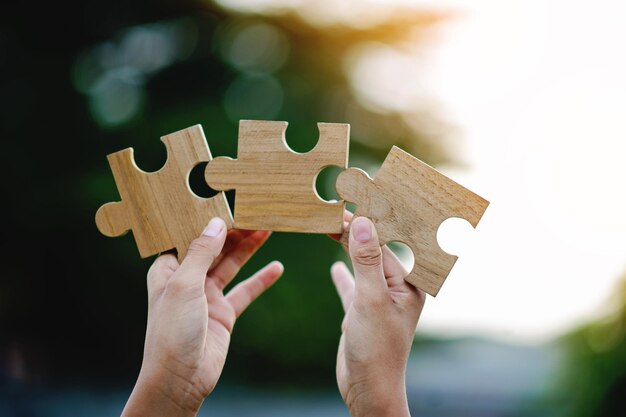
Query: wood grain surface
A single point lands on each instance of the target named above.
(407, 201)
(159, 207)
(275, 186)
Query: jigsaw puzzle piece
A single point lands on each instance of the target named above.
(407, 201)
(220, 172)
(159, 207)
(111, 221)
(275, 186)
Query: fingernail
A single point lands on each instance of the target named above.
(361, 229)
(280, 265)
(337, 265)
(214, 228)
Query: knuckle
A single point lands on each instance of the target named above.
(176, 287)
(367, 255)
(153, 272)
(238, 258)
(159, 271)
(199, 246)
(166, 263)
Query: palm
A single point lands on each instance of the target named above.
(194, 324)
(220, 321)
(342, 372)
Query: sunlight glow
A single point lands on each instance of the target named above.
(542, 104)
(539, 94)
(355, 13)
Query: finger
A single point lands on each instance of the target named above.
(392, 266)
(233, 237)
(347, 216)
(244, 293)
(201, 254)
(344, 283)
(231, 263)
(366, 257)
(161, 270)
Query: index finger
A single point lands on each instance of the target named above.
(233, 260)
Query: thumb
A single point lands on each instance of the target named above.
(202, 253)
(366, 258)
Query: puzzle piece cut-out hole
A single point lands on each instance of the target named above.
(455, 235)
(159, 207)
(275, 186)
(408, 200)
(307, 139)
(197, 183)
(149, 157)
(403, 252)
(325, 183)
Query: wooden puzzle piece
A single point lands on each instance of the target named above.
(407, 201)
(160, 207)
(275, 186)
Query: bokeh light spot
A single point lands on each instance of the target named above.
(116, 100)
(255, 48)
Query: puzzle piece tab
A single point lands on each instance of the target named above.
(159, 207)
(407, 201)
(275, 186)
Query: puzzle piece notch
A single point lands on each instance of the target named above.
(275, 186)
(407, 201)
(159, 207)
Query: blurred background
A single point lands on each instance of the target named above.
(523, 102)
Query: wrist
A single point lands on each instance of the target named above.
(162, 393)
(380, 399)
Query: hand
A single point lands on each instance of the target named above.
(190, 320)
(381, 314)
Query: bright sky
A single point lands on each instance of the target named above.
(538, 90)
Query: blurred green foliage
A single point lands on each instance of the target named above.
(102, 76)
(109, 75)
(595, 378)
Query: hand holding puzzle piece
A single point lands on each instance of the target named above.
(407, 201)
(159, 207)
(275, 190)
